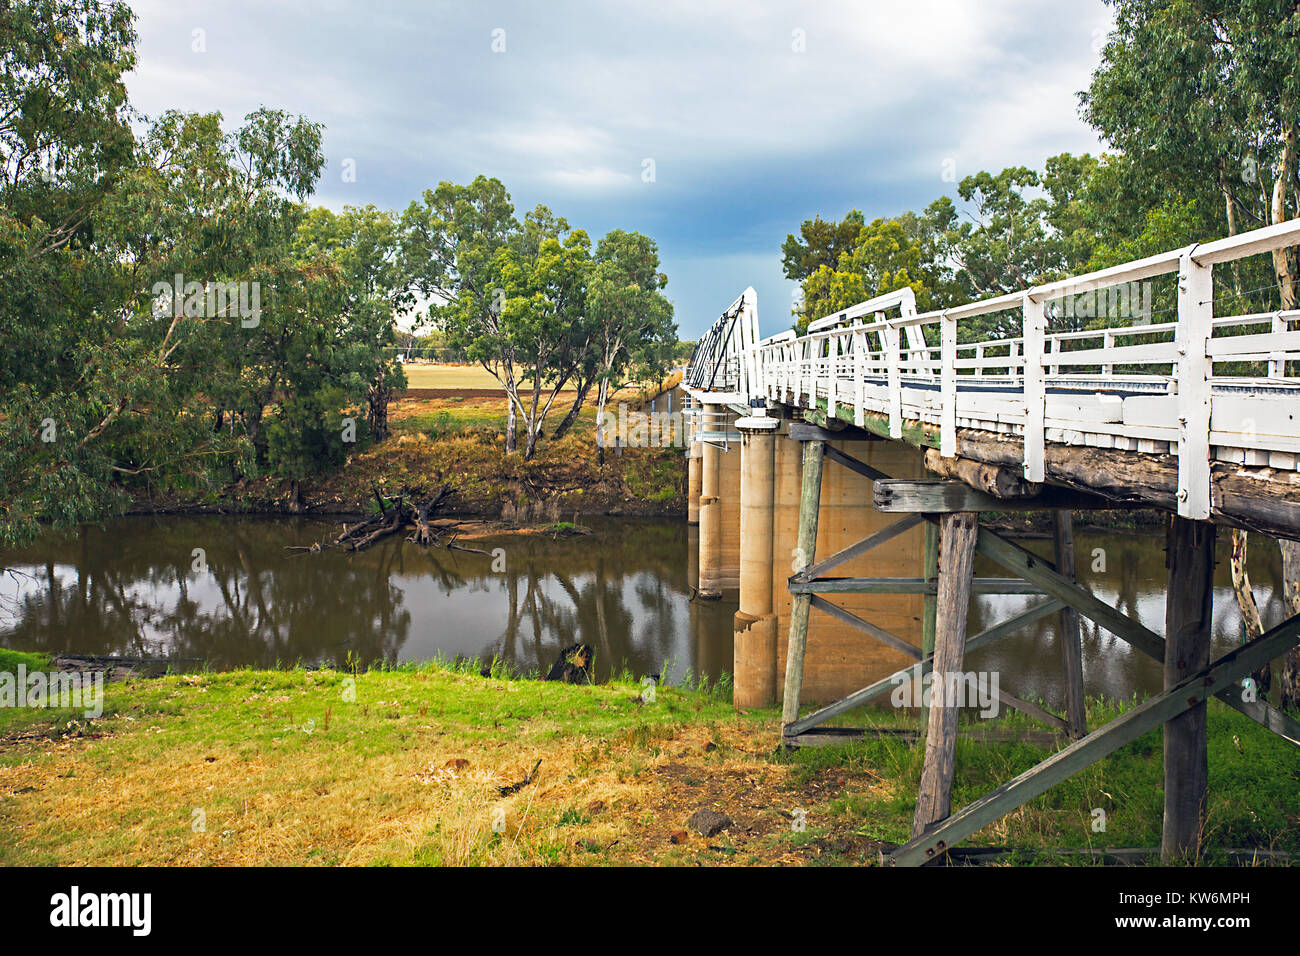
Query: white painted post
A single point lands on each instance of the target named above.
(893, 357)
(1035, 388)
(1277, 360)
(805, 350)
(979, 359)
(1108, 343)
(1011, 359)
(948, 386)
(757, 384)
(1191, 338)
(833, 380)
(1056, 348)
(859, 376)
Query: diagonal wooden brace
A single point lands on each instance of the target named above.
(1039, 571)
(1100, 743)
(918, 670)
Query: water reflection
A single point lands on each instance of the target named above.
(131, 588)
(1127, 571)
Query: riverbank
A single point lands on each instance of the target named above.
(457, 437)
(423, 765)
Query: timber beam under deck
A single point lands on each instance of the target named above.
(1255, 499)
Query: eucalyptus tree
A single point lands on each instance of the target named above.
(544, 295)
(451, 246)
(629, 320)
(217, 210)
(364, 244)
(65, 139)
(1206, 96)
(820, 244)
(883, 257)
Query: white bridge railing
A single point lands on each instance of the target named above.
(1149, 387)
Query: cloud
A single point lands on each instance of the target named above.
(756, 114)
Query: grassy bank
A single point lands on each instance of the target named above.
(407, 766)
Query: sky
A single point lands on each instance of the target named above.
(714, 126)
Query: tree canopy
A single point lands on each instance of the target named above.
(178, 317)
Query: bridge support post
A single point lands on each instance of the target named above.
(710, 508)
(805, 549)
(754, 644)
(1190, 559)
(957, 535)
(1076, 721)
(929, 605)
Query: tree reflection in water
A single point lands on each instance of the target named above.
(131, 588)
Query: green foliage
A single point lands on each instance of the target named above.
(821, 244)
(9, 661)
(531, 303)
(313, 432)
(1203, 100)
(177, 317)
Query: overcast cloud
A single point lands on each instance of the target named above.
(748, 136)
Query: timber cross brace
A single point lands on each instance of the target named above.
(951, 507)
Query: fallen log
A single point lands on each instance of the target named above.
(395, 516)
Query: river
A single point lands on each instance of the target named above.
(227, 591)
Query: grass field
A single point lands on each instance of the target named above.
(407, 767)
(421, 375)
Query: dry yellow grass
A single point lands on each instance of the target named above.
(265, 768)
(428, 375)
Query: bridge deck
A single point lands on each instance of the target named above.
(1199, 415)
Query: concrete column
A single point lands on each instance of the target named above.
(710, 512)
(754, 647)
(694, 475)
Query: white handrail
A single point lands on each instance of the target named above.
(884, 365)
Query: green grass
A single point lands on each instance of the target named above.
(443, 422)
(1254, 788)
(404, 765)
(9, 660)
(318, 766)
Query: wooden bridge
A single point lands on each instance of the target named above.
(1199, 416)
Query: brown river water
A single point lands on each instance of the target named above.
(137, 587)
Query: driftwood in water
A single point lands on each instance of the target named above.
(401, 515)
(574, 665)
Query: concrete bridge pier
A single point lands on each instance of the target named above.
(719, 509)
(754, 655)
(694, 488)
(709, 511)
